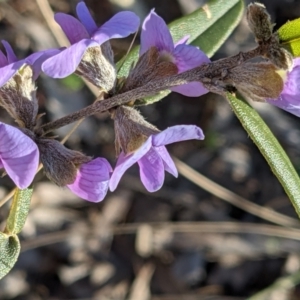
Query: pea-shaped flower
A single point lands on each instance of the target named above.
(155, 33)
(84, 34)
(153, 158)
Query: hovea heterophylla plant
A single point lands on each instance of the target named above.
(168, 59)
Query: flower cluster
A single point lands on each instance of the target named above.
(90, 56)
(137, 141)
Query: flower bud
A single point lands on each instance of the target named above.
(131, 129)
(259, 21)
(150, 66)
(60, 164)
(256, 81)
(18, 97)
(97, 66)
(279, 56)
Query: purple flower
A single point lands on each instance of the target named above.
(289, 98)
(10, 65)
(153, 158)
(19, 155)
(155, 33)
(92, 180)
(83, 34)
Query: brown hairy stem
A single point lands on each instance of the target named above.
(204, 73)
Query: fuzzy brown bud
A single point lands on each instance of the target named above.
(18, 97)
(60, 164)
(259, 21)
(150, 66)
(256, 81)
(97, 66)
(279, 56)
(131, 129)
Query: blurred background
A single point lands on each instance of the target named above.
(191, 240)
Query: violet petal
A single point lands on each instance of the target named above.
(290, 95)
(167, 160)
(182, 41)
(155, 33)
(72, 28)
(10, 54)
(192, 89)
(7, 72)
(66, 62)
(176, 134)
(85, 18)
(19, 155)
(3, 60)
(152, 170)
(126, 161)
(36, 60)
(120, 25)
(188, 57)
(92, 180)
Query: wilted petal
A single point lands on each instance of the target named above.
(167, 160)
(289, 99)
(7, 72)
(66, 62)
(72, 28)
(155, 33)
(152, 170)
(10, 54)
(19, 155)
(126, 161)
(176, 134)
(120, 25)
(3, 60)
(92, 180)
(85, 18)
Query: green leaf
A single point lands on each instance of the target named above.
(217, 33)
(9, 252)
(269, 147)
(289, 36)
(18, 211)
(208, 28)
(73, 82)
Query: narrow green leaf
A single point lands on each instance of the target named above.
(214, 36)
(289, 36)
(196, 24)
(203, 18)
(269, 147)
(18, 211)
(9, 252)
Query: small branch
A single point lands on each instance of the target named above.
(202, 73)
(149, 89)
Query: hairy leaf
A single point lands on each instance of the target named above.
(270, 148)
(18, 211)
(9, 252)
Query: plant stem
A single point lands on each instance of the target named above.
(204, 73)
